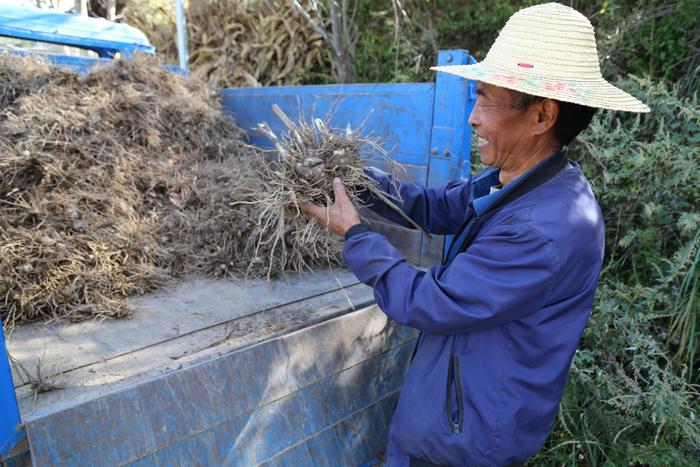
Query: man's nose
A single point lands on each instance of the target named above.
(474, 117)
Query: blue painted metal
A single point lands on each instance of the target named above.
(324, 392)
(450, 138)
(307, 427)
(97, 34)
(10, 435)
(398, 114)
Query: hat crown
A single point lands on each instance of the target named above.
(547, 40)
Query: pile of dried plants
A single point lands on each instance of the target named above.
(234, 43)
(116, 181)
(94, 170)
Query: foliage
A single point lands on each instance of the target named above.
(400, 40)
(643, 168)
(656, 38)
(631, 397)
(626, 402)
(400, 45)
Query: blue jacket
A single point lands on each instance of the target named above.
(500, 321)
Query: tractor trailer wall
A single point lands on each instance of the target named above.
(322, 391)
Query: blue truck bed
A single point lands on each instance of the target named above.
(302, 370)
(219, 373)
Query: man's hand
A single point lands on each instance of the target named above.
(339, 217)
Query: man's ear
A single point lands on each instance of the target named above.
(545, 115)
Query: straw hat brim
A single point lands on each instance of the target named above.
(591, 92)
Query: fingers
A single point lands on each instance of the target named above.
(341, 196)
(314, 211)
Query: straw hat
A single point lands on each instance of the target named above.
(549, 50)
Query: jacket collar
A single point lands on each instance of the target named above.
(518, 187)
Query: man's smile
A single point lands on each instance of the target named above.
(481, 141)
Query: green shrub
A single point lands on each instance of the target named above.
(657, 38)
(644, 171)
(630, 399)
(626, 402)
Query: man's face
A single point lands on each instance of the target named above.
(502, 131)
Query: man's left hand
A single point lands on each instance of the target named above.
(339, 217)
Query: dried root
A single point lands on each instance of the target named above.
(114, 182)
(310, 156)
(40, 380)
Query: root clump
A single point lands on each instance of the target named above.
(310, 156)
(112, 183)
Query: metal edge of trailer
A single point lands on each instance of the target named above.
(11, 432)
(326, 391)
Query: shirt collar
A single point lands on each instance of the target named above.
(489, 178)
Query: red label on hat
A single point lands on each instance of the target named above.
(526, 65)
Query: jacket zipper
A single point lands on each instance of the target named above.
(453, 376)
(460, 404)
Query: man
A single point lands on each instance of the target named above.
(502, 316)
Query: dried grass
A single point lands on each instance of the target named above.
(235, 43)
(92, 166)
(114, 182)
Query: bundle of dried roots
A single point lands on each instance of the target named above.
(115, 181)
(310, 156)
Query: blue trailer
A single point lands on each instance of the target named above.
(303, 370)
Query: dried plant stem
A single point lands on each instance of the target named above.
(310, 156)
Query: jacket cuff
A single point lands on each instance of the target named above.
(356, 230)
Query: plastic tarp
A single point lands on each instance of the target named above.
(104, 37)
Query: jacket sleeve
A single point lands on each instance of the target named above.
(503, 276)
(439, 210)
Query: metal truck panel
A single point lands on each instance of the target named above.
(10, 431)
(256, 402)
(399, 114)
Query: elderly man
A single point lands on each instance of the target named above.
(502, 315)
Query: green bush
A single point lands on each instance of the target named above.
(630, 399)
(644, 170)
(657, 38)
(627, 402)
